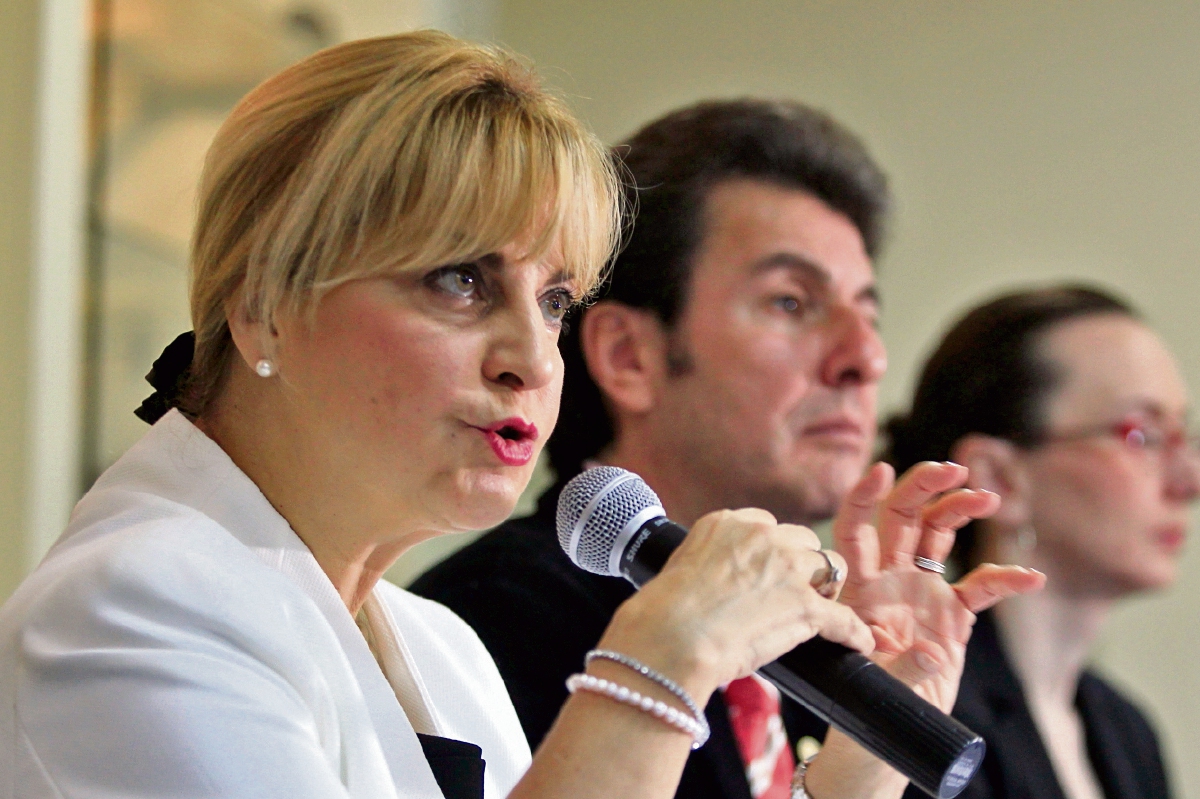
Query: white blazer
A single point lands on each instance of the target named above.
(180, 641)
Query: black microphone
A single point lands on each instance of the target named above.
(610, 522)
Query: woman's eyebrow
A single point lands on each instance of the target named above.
(491, 261)
(1152, 408)
(494, 261)
(560, 276)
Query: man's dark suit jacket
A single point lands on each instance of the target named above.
(538, 614)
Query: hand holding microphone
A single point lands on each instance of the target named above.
(749, 580)
(736, 596)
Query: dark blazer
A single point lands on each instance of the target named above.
(1121, 745)
(538, 614)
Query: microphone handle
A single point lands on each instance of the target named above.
(936, 752)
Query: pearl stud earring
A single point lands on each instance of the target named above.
(264, 368)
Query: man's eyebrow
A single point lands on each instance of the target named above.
(796, 263)
(814, 271)
(870, 294)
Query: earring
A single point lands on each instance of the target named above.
(1027, 538)
(264, 368)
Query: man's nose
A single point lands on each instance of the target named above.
(856, 355)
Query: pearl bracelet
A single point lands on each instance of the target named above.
(655, 707)
(655, 676)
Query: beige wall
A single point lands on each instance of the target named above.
(18, 60)
(1026, 141)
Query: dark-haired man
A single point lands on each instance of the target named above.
(732, 361)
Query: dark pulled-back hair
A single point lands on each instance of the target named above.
(986, 376)
(672, 164)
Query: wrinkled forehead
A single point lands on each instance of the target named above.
(1110, 364)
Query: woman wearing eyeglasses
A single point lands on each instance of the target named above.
(1068, 406)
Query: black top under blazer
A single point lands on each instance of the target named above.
(457, 766)
(538, 614)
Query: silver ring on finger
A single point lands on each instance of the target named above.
(830, 577)
(929, 565)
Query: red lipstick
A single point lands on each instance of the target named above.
(511, 440)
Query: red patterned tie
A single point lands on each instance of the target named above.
(754, 714)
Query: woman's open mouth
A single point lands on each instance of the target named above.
(511, 440)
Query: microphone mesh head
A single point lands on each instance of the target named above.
(594, 508)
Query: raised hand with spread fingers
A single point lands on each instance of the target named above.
(885, 528)
(921, 622)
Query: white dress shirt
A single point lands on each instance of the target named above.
(181, 641)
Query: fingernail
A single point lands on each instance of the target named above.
(926, 662)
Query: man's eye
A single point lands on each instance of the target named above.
(555, 305)
(789, 304)
(459, 281)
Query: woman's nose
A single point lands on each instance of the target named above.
(1183, 474)
(523, 353)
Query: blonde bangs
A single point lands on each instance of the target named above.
(487, 168)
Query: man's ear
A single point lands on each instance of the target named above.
(626, 352)
(996, 465)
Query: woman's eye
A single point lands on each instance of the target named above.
(555, 305)
(1154, 437)
(458, 281)
(1137, 436)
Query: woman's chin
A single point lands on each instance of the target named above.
(473, 520)
(1154, 576)
(1161, 578)
(484, 500)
